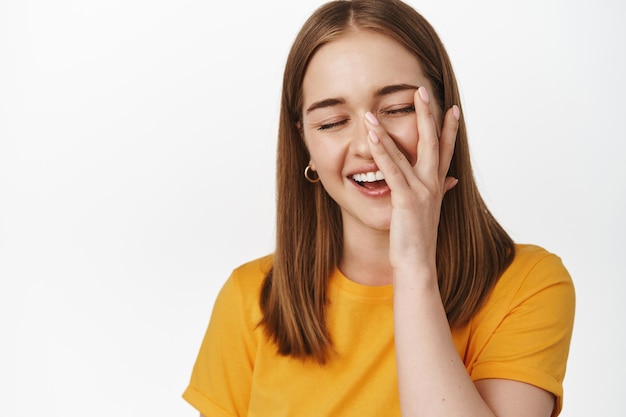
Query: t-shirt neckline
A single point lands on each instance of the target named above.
(374, 292)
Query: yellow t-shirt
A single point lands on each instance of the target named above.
(522, 333)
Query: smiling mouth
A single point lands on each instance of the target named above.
(371, 180)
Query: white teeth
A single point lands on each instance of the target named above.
(368, 176)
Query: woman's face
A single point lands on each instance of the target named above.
(359, 72)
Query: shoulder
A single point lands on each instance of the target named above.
(240, 294)
(250, 275)
(247, 279)
(533, 269)
(535, 282)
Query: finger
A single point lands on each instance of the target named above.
(388, 157)
(427, 165)
(449, 183)
(447, 141)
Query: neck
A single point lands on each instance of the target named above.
(365, 257)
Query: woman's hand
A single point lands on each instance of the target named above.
(416, 191)
(432, 378)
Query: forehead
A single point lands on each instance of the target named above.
(359, 62)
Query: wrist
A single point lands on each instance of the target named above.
(416, 277)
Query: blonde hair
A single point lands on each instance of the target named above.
(472, 248)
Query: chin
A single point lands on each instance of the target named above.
(378, 221)
(380, 226)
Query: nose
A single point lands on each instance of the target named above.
(359, 144)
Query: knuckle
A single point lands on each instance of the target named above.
(393, 170)
(397, 155)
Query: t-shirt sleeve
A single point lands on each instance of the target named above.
(531, 341)
(221, 378)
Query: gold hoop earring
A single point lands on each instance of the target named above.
(306, 175)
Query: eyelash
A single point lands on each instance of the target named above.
(332, 125)
(407, 109)
(403, 110)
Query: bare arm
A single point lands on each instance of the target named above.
(514, 398)
(432, 378)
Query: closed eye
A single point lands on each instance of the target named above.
(328, 126)
(401, 110)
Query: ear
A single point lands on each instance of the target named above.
(312, 165)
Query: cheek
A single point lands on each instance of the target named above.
(404, 134)
(325, 153)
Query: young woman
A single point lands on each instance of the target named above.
(392, 291)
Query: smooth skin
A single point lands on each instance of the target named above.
(354, 123)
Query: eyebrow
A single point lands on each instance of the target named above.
(325, 103)
(389, 89)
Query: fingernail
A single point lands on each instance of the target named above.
(371, 118)
(374, 137)
(456, 112)
(424, 95)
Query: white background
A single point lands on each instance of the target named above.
(137, 143)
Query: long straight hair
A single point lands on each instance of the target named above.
(472, 248)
